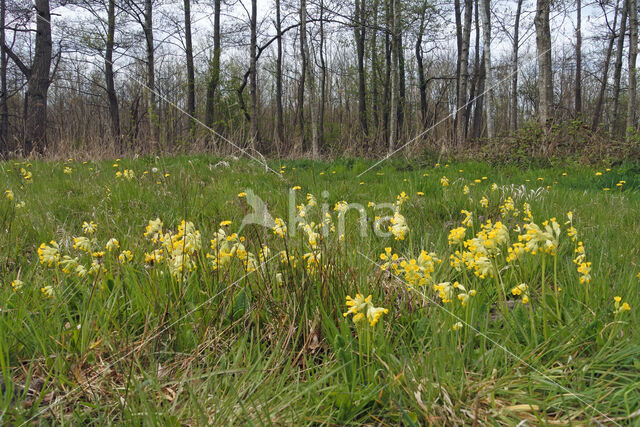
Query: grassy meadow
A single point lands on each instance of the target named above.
(132, 292)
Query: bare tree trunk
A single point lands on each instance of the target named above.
(112, 97)
(151, 75)
(422, 84)
(4, 108)
(617, 72)
(543, 47)
(476, 84)
(597, 112)
(402, 82)
(578, 85)
(388, 80)
(461, 115)
(311, 78)
(393, 119)
(303, 71)
(486, 32)
(359, 30)
(323, 77)
(38, 83)
(633, 54)
(214, 69)
(191, 79)
(514, 69)
(375, 71)
(253, 74)
(279, 109)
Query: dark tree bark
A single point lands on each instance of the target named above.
(191, 79)
(393, 125)
(151, 73)
(375, 70)
(388, 79)
(112, 97)
(253, 73)
(422, 83)
(617, 72)
(514, 70)
(323, 77)
(213, 79)
(545, 77)
(461, 110)
(279, 108)
(38, 81)
(633, 54)
(303, 71)
(578, 85)
(4, 108)
(597, 112)
(359, 30)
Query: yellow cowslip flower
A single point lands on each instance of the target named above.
(445, 291)
(81, 270)
(8, 194)
(598, 173)
(68, 264)
(17, 285)
(242, 194)
(47, 291)
(468, 220)
(112, 244)
(638, 275)
(484, 202)
(89, 227)
(419, 193)
(402, 197)
(518, 290)
(296, 188)
(465, 190)
(280, 228)
(49, 254)
(456, 236)
(341, 207)
(619, 308)
(67, 170)
(225, 223)
(444, 181)
(82, 243)
(154, 230)
(399, 226)
(125, 256)
(457, 326)
(361, 307)
(494, 187)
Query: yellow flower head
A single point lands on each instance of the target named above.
(9, 194)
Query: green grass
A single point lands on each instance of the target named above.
(134, 344)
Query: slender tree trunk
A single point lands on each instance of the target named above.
(475, 93)
(388, 80)
(457, 9)
(578, 85)
(323, 77)
(486, 32)
(191, 79)
(422, 83)
(311, 80)
(151, 75)
(4, 108)
(253, 74)
(375, 69)
(112, 97)
(514, 70)
(214, 68)
(303, 71)
(545, 77)
(402, 81)
(279, 108)
(597, 112)
(393, 119)
(617, 72)
(461, 131)
(633, 54)
(359, 30)
(479, 104)
(38, 83)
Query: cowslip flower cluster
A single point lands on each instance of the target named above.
(619, 306)
(362, 308)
